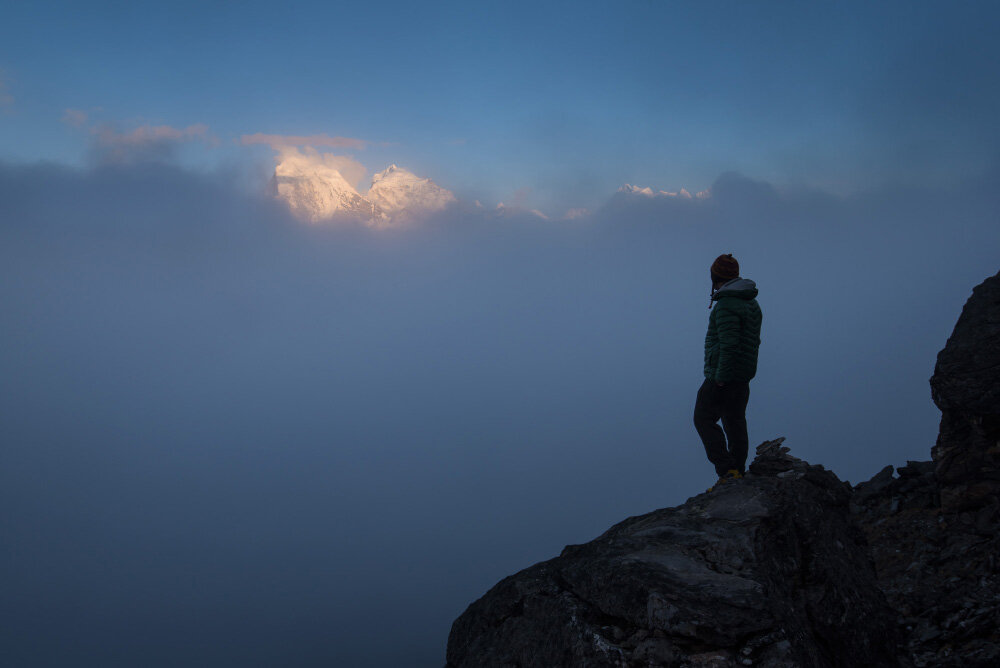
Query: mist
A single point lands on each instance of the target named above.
(232, 438)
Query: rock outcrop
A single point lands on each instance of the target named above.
(766, 571)
(934, 530)
(939, 570)
(789, 566)
(966, 387)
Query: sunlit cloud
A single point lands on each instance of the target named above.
(309, 159)
(140, 144)
(320, 140)
(75, 117)
(150, 134)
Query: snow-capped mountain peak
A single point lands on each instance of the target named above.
(629, 189)
(381, 175)
(395, 190)
(316, 189)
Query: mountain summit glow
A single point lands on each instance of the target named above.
(316, 189)
(397, 190)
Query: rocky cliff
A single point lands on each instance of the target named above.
(934, 527)
(966, 387)
(789, 566)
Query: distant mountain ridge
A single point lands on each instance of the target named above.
(629, 189)
(316, 192)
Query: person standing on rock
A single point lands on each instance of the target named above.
(731, 346)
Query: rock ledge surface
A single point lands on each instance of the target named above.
(767, 571)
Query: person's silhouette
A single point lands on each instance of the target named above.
(731, 346)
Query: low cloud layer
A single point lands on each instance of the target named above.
(230, 437)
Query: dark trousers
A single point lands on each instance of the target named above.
(728, 403)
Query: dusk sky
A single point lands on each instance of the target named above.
(232, 435)
(557, 104)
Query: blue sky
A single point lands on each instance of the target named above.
(559, 103)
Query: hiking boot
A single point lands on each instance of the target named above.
(731, 475)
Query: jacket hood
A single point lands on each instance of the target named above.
(741, 288)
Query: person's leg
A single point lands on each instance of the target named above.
(733, 406)
(706, 417)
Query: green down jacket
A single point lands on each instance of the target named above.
(733, 333)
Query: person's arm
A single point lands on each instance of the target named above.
(727, 323)
(710, 340)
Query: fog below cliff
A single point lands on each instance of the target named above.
(228, 437)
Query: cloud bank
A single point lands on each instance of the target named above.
(232, 438)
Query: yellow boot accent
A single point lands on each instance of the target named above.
(731, 474)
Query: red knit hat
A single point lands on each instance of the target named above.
(725, 268)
